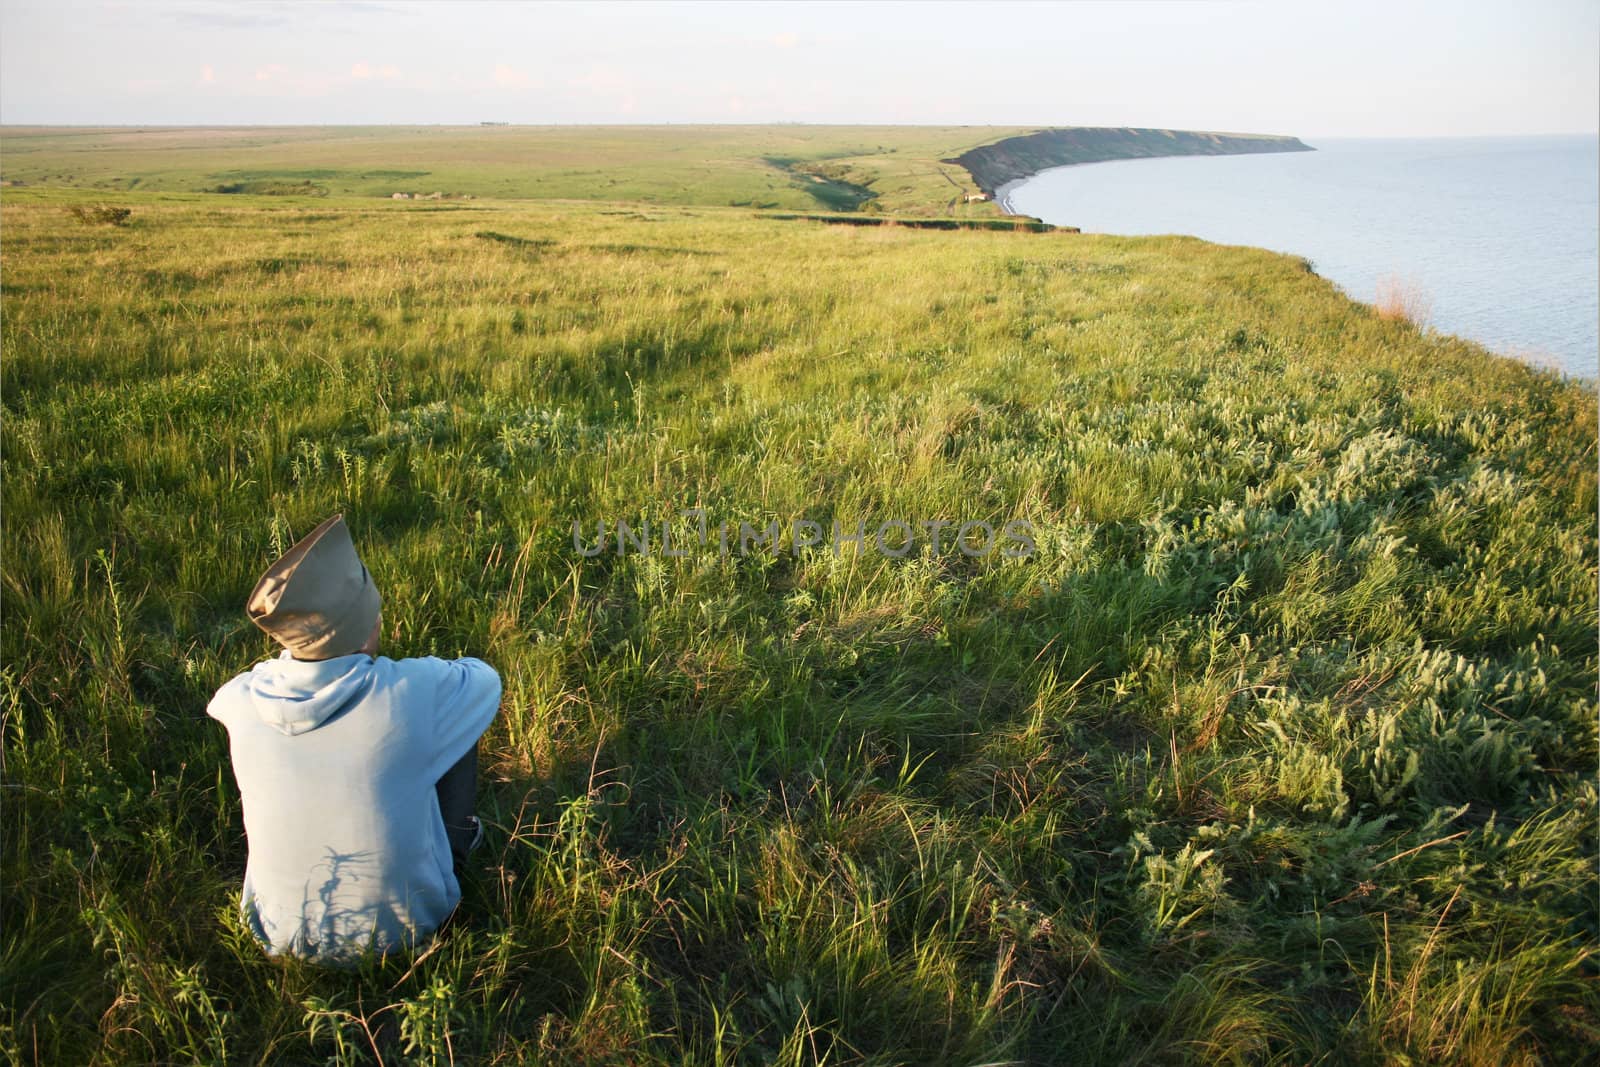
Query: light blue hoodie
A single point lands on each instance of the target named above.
(336, 762)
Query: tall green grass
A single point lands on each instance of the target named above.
(1281, 748)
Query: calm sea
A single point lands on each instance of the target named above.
(1501, 233)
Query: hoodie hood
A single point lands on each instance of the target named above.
(296, 696)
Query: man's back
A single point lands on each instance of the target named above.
(337, 762)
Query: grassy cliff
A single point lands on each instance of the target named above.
(1014, 158)
(1279, 747)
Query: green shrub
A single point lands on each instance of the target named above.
(101, 214)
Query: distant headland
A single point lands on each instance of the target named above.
(1012, 159)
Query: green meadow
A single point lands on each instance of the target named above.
(1279, 747)
(895, 168)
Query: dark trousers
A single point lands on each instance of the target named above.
(458, 797)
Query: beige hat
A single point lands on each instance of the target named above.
(318, 601)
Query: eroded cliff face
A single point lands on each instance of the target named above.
(993, 165)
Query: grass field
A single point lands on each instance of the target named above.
(900, 170)
(791, 167)
(1280, 748)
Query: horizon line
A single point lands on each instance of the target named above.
(502, 124)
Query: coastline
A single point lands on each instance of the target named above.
(1540, 312)
(1002, 195)
(998, 166)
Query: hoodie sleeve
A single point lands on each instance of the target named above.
(467, 699)
(226, 701)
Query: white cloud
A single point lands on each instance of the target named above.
(602, 79)
(511, 78)
(279, 80)
(365, 71)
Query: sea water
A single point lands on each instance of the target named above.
(1501, 234)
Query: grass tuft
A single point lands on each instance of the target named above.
(1403, 300)
(100, 214)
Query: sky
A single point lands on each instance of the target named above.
(1313, 69)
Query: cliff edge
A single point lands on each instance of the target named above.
(1015, 158)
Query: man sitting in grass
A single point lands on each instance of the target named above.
(358, 772)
